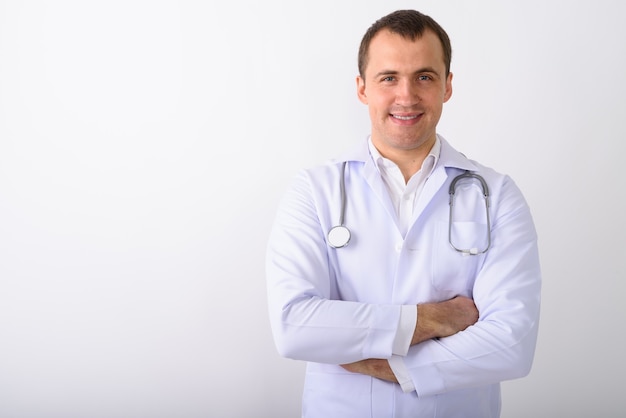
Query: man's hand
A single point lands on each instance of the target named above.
(374, 367)
(434, 320)
(442, 319)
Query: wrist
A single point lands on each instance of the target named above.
(425, 326)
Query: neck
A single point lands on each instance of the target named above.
(408, 165)
(409, 161)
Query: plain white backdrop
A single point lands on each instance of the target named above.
(144, 146)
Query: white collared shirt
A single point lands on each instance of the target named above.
(404, 197)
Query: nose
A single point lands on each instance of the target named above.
(407, 93)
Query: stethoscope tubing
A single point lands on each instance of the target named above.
(452, 193)
(339, 235)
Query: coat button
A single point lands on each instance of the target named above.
(399, 247)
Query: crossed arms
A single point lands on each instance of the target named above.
(312, 321)
(434, 320)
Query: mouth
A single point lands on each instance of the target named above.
(405, 117)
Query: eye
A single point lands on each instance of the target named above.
(424, 77)
(389, 78)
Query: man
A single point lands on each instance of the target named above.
(424, 311)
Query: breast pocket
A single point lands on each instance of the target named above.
(453, 272)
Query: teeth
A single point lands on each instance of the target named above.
(404, 117)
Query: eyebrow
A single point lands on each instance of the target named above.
(394, 72)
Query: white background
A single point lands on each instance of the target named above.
(144, 146)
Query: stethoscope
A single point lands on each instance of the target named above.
(339, 235)
(485, 191)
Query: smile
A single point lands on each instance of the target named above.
(404, 117)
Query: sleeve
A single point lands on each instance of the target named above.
(408, 320)
(506, 291)
(308, 322)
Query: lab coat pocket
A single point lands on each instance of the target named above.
(452, 271)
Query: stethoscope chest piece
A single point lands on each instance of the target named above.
(338, 236)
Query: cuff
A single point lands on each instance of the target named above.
(402, 373)
(406, 328)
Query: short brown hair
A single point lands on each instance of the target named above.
(409, 24)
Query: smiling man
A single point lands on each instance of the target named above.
(431, 297)
(404, 83)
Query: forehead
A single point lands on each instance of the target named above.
(389, 49)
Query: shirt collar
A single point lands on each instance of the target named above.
(448, 156)
(383, 164)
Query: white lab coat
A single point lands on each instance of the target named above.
(334, 306)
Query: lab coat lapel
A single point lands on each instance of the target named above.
(372, 177)
(375, 182)
(433, 184)
(449, 163)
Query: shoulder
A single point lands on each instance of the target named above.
(457, 162)
(504, 192)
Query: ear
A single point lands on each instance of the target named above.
(448, 91)
(360, 89)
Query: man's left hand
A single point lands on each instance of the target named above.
(378, 368)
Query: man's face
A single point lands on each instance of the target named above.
(404, 87)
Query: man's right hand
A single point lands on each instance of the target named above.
(442, 319)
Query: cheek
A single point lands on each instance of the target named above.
(380, 104)
(373, 114)
(379, 112)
